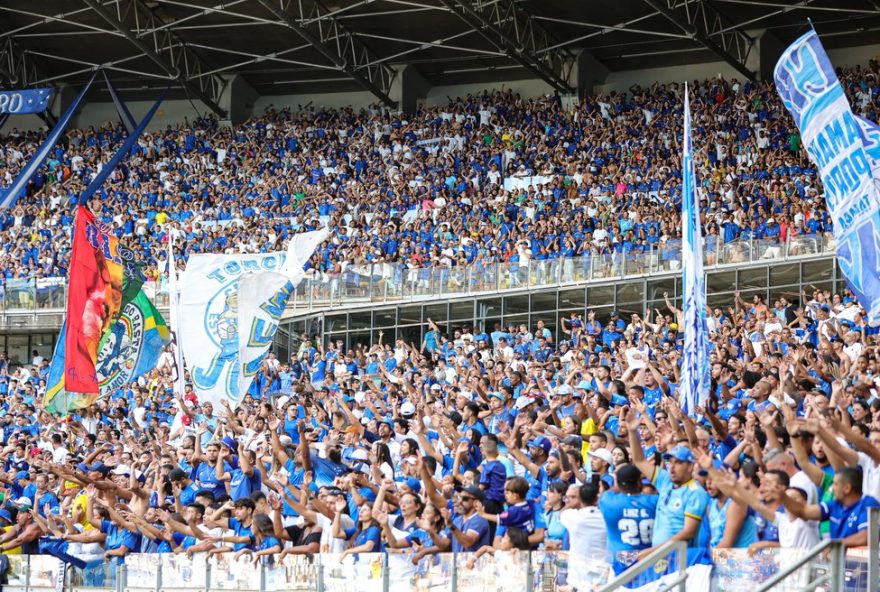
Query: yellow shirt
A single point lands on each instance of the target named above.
(80, 503)
(161, 218)
(16, 550)
(588, 428)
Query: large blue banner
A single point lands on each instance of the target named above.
(695, 377)
(19, 102)
(844, 148)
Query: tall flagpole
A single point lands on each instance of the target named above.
(174, 317)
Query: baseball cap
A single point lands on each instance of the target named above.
(5, 515)
(681, 453)
(407, 409)
(563, 389)
(523, 401)
(414, 484)
(230, 443)
(585, 385)
(23, 502)
(496, 395)
(604, 454)
(573, 440)
(542, 443)
(474, 491)
(281, 401)
(22, 475)
(122, 470)
(628, 476)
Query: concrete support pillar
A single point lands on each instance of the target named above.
(763, 57)
(238, 99)
(408, 88)
(587, 73)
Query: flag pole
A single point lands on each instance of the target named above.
(174, 316)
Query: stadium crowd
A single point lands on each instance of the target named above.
(479, 438)
(486, 178)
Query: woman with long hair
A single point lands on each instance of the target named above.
(365, 537)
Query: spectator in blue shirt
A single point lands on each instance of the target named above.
(847, 513)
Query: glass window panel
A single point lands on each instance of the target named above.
(385, 318)
(335, 323)
(816, 271)
(630, 293)
(542, 301)
(656, 288)
(356, 338)
(409, 315)
(436, 312)
(359, 320)
(17, 346)
(600, 296)
(723, 281)
(517, 320)
(462, 311)
(576, 299)
(603, 313)
(516, 305)
(752, 279)
(411, 334)
(785, 275)
(488, 307)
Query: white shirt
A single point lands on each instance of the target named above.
(586, 532)
(802, 481)
(328, 543)
(870, 476)
(796, 533)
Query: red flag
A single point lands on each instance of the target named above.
(94, 300)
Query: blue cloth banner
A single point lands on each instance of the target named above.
(20, 102)
(120, 154)
(695, 377)
(16, 189)
(121, 108)
(844, 148)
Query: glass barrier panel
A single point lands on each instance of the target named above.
(20, 294)
(433, 573)
(231, 573)
(44, 571)
(50, 293)
(142, 571)
(16, 575)
(502, 572)
(182, 573)
(391, 287)
(97, 574)
(294, 572)
(364, 572)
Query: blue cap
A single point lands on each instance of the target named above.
(542, 443)
(368, 494)
(496, 395)
(230, 443)
(22, 475)
(348, 399)
(585, 385)
(608, 480)
(680, 453)
(5, 515)
(414, 484)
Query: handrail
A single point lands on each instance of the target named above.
(648, 562)
(835, 574)
(873, 549)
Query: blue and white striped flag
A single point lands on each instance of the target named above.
(695, 378)
(845, 150)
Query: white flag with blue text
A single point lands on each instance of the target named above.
(695, 378)
(224, 330)
(845, 149)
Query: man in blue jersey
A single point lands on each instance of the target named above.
(682, 504)
(629, 517)
(847, 513)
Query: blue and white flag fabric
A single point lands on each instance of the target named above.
(16, 189)
(21, 102)
(230, 306)
(124, 114)
(695, 377)
(845, 149)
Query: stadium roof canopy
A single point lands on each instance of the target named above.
(317, 46)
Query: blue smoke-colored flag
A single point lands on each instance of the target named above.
(695, 377)
(124, 114)
(16, 189)
(20, 102)
(845, 148)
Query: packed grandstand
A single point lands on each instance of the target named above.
(478, 439)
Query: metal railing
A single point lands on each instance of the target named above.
(393, 282)
(664, 551)
(832, 574)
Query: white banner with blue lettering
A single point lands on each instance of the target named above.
(20, 102)
(844, 148)
(226, 331)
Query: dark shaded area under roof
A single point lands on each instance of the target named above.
(344, 45)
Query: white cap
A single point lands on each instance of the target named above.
(563, 389)
(122, 470)
(359, 397)
(522, 402)
(281, 401)
(604, 454)
(407, 409)
(359, 454)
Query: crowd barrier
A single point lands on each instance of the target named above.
(735, 570)
(392, 282)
